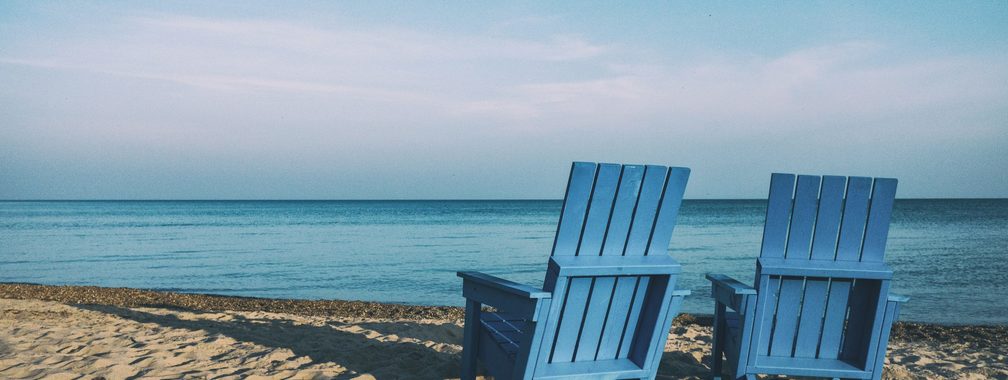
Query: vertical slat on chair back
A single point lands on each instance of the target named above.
(824, 219)
(610, 210)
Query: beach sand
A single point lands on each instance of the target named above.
(114, 333)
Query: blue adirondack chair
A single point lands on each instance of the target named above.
(821, 305)
(609, 296)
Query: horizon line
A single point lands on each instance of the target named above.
(407, 199)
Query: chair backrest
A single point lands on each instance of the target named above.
(611, 210)
(821, 275)
(828, 218)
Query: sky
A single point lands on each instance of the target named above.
(488, 100)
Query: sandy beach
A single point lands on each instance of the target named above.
(115, 333)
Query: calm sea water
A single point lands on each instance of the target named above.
(949, 255)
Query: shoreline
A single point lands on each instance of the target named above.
(984, 336)
(97, 332)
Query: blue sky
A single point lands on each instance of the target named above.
(365, 100)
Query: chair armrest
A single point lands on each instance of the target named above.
(729, 291)
(731, 284)
(573, 266)
(897, 298)
(503, 285)
(502, 294)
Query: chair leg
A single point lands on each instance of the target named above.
(891, 313)
(717, 352)
(470, 340)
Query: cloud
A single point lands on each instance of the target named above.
(852, 82)
(383, 64)
(384, 43)
(150, 88)
(507, 80)
(513, 82)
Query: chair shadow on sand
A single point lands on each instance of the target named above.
(410, 355)
(674, 365)
(355, 351)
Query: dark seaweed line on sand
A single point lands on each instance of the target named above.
(980, 337)
(130, 297)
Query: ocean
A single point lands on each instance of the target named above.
(950, 256)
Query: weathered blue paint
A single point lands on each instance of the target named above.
(609, 298)
(821, 305)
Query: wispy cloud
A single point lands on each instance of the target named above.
(849, 81)
(387, 65)
(379, 43)
(513, 80)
